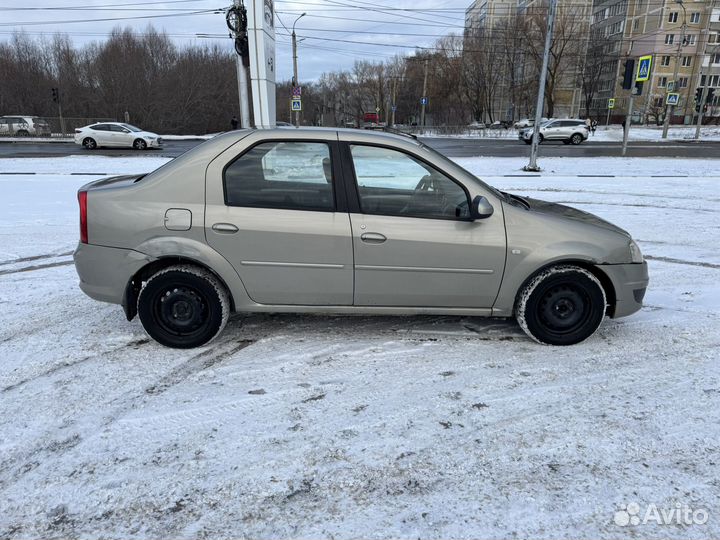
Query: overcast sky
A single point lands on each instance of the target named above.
(370, 23)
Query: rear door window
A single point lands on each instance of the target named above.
(292, 175)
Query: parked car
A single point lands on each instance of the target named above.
(566, 130)
(500, 124)
(317, 220)
(476, 125)
(116, 134)
(24, 126)
(527, 122)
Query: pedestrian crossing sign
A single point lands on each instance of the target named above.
(296, 105)
(672, 99)
(643, 72)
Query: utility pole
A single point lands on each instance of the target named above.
(296, 81)
(237, 22)
(628, 121)
(669, 113)
(394, 103)
(532, 166)
(703, 97)
(422, 105)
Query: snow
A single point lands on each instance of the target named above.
(404, 427)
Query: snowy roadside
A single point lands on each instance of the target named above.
(300, 426)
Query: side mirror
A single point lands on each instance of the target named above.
(481, 208)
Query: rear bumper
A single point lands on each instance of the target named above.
(630, 282)
(104, 271)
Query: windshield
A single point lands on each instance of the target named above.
(131, 128)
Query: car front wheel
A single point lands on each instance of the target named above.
(562, 305)
(576, 139)
(183, 306)
(139, 144)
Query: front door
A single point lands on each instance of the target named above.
(413, 242)
(272, 213)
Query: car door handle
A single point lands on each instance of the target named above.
(225, 228)
(372, 238)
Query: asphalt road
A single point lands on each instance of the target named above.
(448, 146)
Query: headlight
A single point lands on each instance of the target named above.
(148, 137)
(636, 255)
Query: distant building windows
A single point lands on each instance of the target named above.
(695, 17)
(673, 17)
(683, 82)
(665, 61)
(662, 82)
(687, 61)
(669, 39)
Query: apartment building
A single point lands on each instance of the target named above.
(677, 34)
(516, 96)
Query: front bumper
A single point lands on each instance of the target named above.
(630, 282)
(105, 272)
(154, 143)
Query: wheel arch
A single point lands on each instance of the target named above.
(595, 270)
(134, 284)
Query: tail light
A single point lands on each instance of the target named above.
(82, 200)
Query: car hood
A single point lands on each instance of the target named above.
(573, 214)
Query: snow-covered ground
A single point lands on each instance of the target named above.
(347, 427)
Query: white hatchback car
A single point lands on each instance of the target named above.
(116, 134)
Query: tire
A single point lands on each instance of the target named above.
(139, 144)
(22, 133)
(576, 139)
(89, 143)
(540, 139)
(183, 306)
(562, 305)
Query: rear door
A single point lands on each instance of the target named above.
(277, 213)
(413, 242)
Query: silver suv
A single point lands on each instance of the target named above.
(566, 130)
(343, 221)
(24, 126)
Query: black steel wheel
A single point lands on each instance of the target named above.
(183, 306)
(562, 305)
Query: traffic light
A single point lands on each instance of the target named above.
(698, 94)
(639, 88)
(629, 74)
(56, 95)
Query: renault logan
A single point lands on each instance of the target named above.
(344, 221)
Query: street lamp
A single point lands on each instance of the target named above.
(295, 68)
(666, 124)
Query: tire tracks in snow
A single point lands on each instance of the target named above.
(26, 460)
(34, 258)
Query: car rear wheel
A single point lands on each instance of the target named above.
(183, 306)
(562, 305)
(22, 133)
(576, 139)
(139, 144)
(89, 143)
